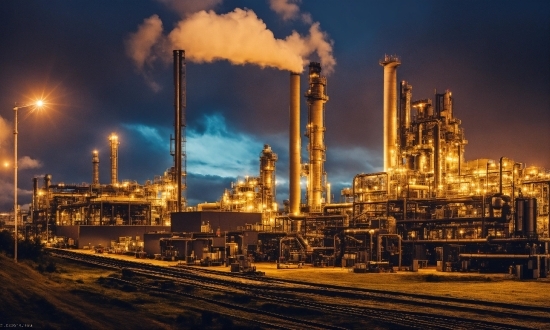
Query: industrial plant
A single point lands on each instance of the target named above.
(428, 207)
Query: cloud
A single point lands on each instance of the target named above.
(151, 134)
(285, 8)
(6, 194)
(139, 45)
(239, 37)
(289, 10)
(220, 152)
(5, 131)
(27, 162)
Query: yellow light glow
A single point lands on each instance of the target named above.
(39, 103)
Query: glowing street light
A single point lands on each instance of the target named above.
(37, 104)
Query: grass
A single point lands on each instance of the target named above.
(485, 287)
(65, 295)
(75, 296)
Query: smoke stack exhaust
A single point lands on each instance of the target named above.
(95, 168)
(294, 145)
(390, 64)
(113, 138)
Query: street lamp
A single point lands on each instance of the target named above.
(37, 104)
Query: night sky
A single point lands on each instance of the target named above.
(85, 59)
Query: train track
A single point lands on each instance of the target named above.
(414, 311)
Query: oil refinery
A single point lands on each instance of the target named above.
(428, 207)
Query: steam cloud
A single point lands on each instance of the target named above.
(238, 36)
(286, 9)
(27, 162)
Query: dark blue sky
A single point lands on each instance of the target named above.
(493, 56)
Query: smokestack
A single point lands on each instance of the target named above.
(47, 183)
(113, 138)
(95, 168)
(179, 125)
(267, 177)
(34, 198)
(315, 131)
(294, 145)
(390, 64)
(405, 121)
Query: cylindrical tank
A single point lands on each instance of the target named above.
(519, 215)
(294, 145)
(531, 217)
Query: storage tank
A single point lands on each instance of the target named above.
(519, 215)
(530, 217)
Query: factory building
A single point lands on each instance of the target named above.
(429, 205)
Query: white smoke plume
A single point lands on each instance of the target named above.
(27, 162)
(187, 7)
(289, 10)
(285, 8)
(140, 44)
(238, 36)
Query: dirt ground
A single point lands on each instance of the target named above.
(486, 287)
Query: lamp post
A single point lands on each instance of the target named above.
(15, 132)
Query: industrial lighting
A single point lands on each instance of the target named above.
(37, 104)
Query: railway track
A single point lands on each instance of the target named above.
(414, 311)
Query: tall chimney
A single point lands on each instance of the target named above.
(390, 64)
(315, 131)
(179, 125)
(95, 168)
(294, 145)
(113, 138)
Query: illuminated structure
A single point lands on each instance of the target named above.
(95, 168)
(114, 143)
(295, 145)
(315, 132)
(428, 203)
(390, 64)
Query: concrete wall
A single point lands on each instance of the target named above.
(95, 235)
(227, 221)
(151, 243)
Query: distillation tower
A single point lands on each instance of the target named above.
(95, 168)
(315, 132)
(113, 139)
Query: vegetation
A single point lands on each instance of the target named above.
(51, 293)
(30, 249)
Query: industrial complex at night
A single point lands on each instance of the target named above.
(276, 164)
(429, 207)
